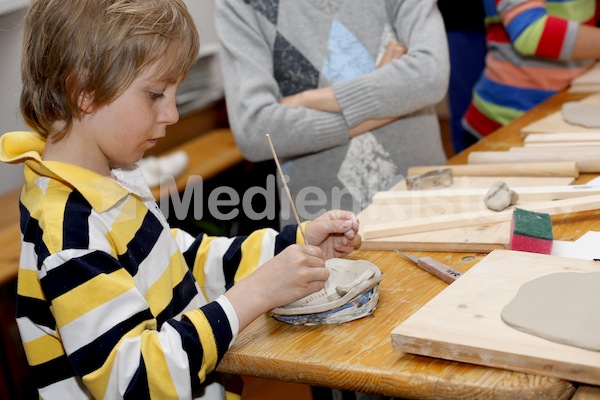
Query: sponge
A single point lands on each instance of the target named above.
(531, 232)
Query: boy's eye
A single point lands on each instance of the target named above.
(155, 95)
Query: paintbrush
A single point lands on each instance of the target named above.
(287, 189)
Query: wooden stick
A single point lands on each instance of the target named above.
(457, 196)
(563, 148)
(562, 137)
(562, 144)
(586, 162)
(553, 169)
(287, 189)
(484, 217)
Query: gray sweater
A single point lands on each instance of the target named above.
(276, 48)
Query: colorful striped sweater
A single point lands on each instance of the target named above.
(112, 303)
(530, 43)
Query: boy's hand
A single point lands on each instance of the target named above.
(393, 51)
(335, 232)
(296, 272)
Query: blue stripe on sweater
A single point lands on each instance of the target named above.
(509, 96)
(76, 222)
(231, 260)
(183, 293)
(220, 326)
(32, 233)
(55, 370)
(37, 310)
(286, 237)
(190, 342)
(142, 244)
(523, 21)
(93, 355)
(138, 387)
(76, 272)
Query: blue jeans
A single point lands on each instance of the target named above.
(467, 60)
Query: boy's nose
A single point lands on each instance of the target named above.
(171, 114)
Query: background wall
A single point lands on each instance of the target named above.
(11, 34)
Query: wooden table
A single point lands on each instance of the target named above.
(358, 355)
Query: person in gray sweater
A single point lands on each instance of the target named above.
(345, 88)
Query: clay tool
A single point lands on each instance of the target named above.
(435, 268)
(437, 178)
(287, 189)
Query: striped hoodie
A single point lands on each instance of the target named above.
(112, 303)
(530, 43)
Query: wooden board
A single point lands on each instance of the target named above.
(481, 238)
(556, 123)
(463, 322)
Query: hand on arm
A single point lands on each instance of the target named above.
(323, 99)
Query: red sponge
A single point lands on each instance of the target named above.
(531, 231)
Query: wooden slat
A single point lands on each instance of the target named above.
(562, 137)
(483, 217)
(575, 149)
(587, 162)
(542, 169)
(445, 197)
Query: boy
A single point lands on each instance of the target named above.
(112, 303)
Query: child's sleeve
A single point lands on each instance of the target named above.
(533, 31)
(218, 263)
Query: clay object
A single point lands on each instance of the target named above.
(561, 307)
(500, 196)
(578, 113)
(347, 280)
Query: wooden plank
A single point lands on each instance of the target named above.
(587, 162)
(563, 144)
(547, 168)
(472, 182)
(482, 217)
(479, 238)
(463, 322)
(564, 148)
(454, 197)
(562, 137)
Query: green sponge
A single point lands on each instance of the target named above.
(531, 231)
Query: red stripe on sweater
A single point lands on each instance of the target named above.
(480, 122)
(552, 38)
(496, 33)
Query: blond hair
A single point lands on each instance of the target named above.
(97, 47)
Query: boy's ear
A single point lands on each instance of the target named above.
(85, 102)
